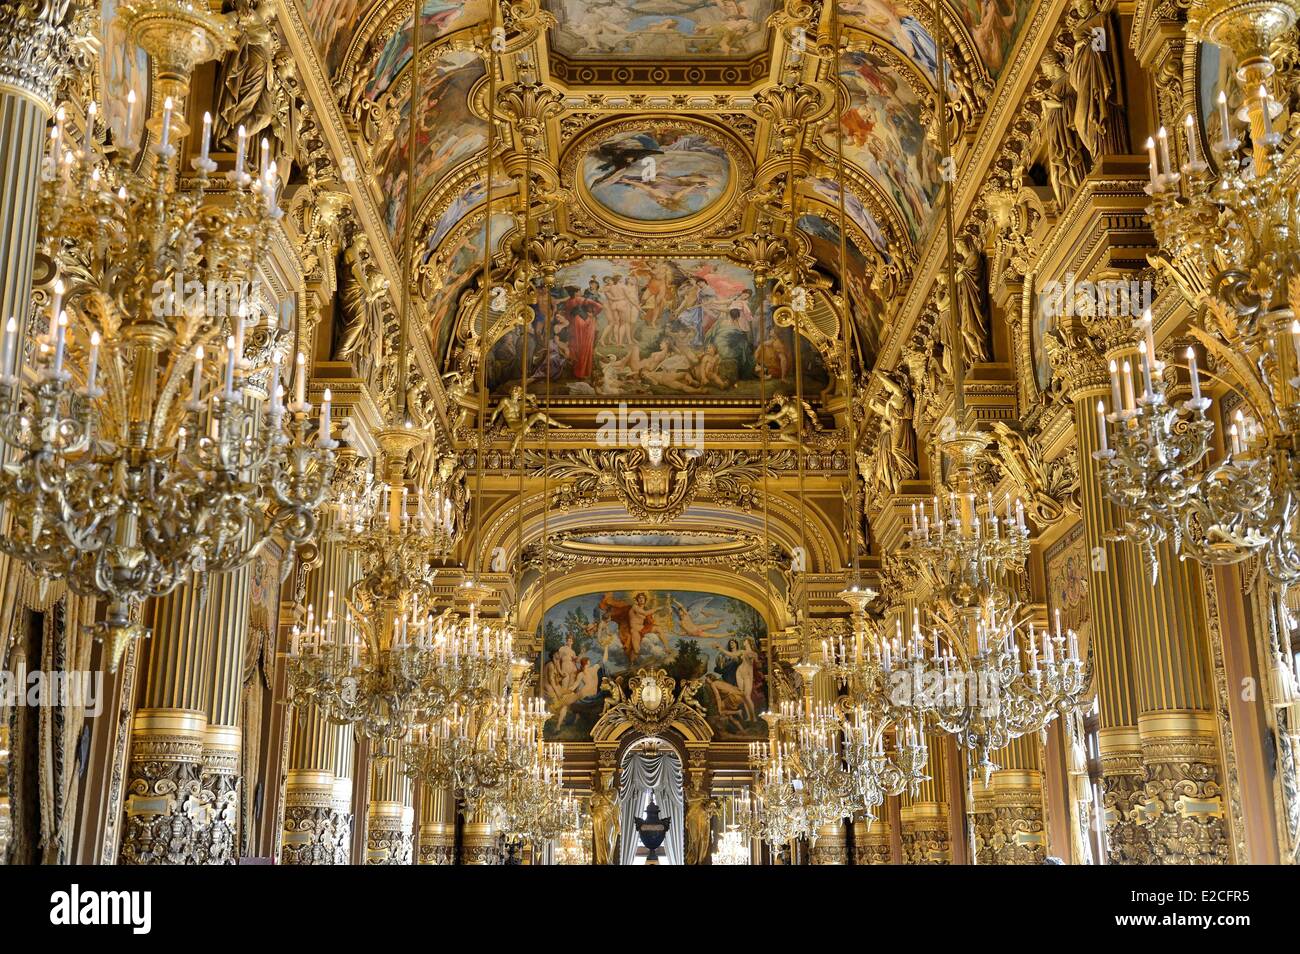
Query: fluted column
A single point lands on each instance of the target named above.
(317, 801)
(33, 55)
(478, 839)
(226, 628)
(390, 815)
(871, 844)
(318, 815)
(924, 814)
(1182, 803)
(831, 844)
(1009, 809)
(166, 811)
(1115, 572)
(437, 843)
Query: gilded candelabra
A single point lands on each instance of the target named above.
(973, 676)
(396, 662)
(140, 442)
(867, 669)
(1228, 241)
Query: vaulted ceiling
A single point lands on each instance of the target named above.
(686, 76)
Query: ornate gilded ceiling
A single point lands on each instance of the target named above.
(664, 137)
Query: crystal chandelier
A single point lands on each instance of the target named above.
(538, 807)
(1149, 468)
(483, 742)
(140, 442)
(733, 847)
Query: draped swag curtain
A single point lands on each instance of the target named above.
(661, 774)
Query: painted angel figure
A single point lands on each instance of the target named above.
(697, 621)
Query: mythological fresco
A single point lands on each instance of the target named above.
(660, 29)
(690, 635)
(449, 134)
(866, 304)
(439, 18)
(894, 23)
(993, 25)
(656, 326)
(332, 24)
(464, 260)
(884, 137)
(656, 176)
(829, 191)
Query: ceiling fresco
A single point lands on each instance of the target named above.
(664, 177)
(659, 29)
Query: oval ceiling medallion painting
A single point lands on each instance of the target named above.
(657, 176)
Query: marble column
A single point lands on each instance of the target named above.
(167, 812)
(924, 814)
(478, 838)
(871, 841)
(226, 628)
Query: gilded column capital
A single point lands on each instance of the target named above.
(35, 48)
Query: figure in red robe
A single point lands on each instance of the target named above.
(634, 619)
(580, 313)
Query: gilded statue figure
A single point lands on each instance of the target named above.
(784, 412)
(1092, 74)
(1066, 165)
(362, 292)
(245, 96)
(521, 413)
(971, 300)
(604, 821)
(895, 453)
(700, 810)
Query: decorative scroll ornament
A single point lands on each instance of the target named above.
(656, 481)
(652, 703)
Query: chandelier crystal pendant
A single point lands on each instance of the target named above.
(146, 437)
(973, 676)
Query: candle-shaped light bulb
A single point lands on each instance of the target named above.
(206, 143)
(1146, 370)
(1194, 376)
(56, 307)
(92, 362)
(130, 117)
(300, 379)
(196, 381)
(1101, 426)
(89, 145)
(1115, 399)
(1265, 104)
(1162, 141)
(1128, 386)
(325, 420)
(11, 349)
(1225, 121)
(60, 340)
(1193, 149)
(168, 107)
(241, 147)
(1153, 167)
(230, 366)
(265, 154)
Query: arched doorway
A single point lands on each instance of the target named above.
(651, 767)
